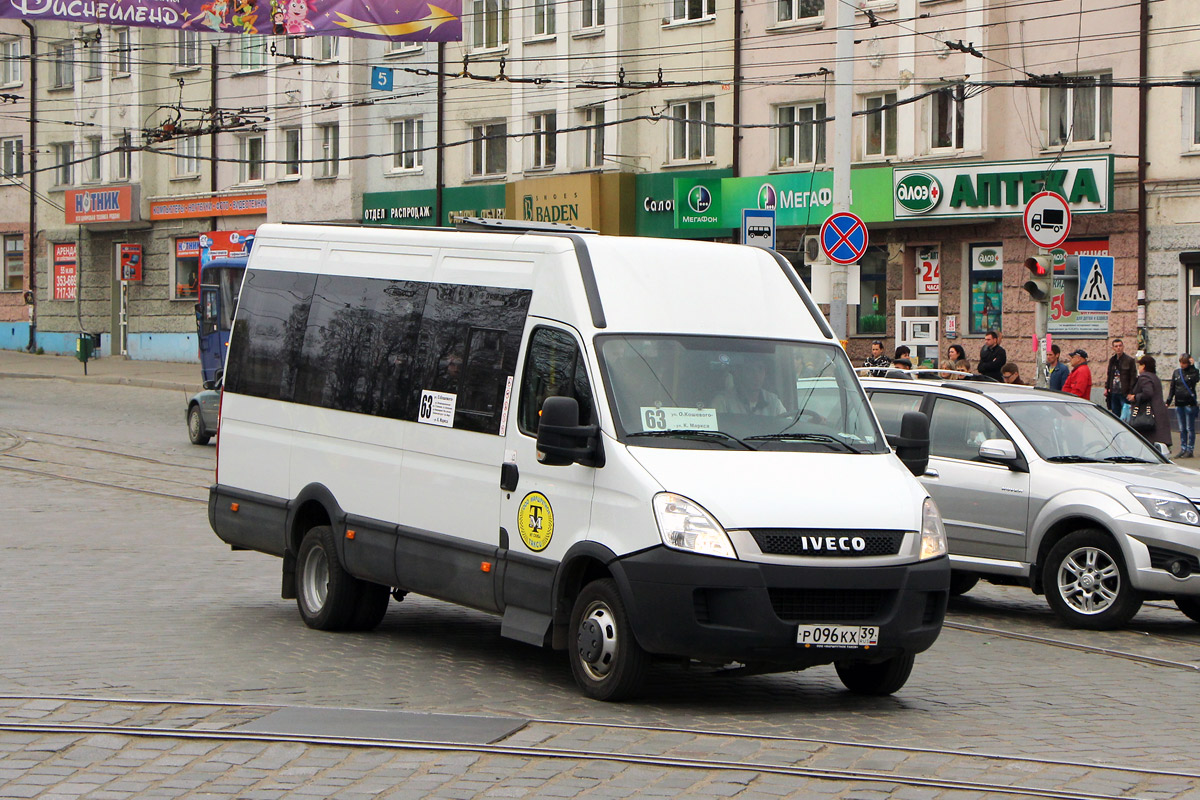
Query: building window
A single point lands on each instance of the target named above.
(545, 140)
(684, 10)
(187, 49)
(489, 22)
(14, 263)
(404, 48)
(881, 125)
(946, 118)
(291, 152)
(489, 149)
(92, 165)
(870, 315)
(691, 130)
(408, 142)
(124, 156)
(254, 52)
(121, 51)
(330, 153)
(543, 17)
(64, 66)
(986, 287)
(801, 135)
(1080, 111)
(291, 46)
(10, 61)
(327, 48)
(64, 169)
(798, 10)
(92, 56)
(187, 268)
(593, 14)
(593, 145)
(187, 156)
(251, 157)
(12, 157)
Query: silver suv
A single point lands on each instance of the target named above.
(1042, 489)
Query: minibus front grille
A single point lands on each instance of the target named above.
(816, 542)
(829, 605)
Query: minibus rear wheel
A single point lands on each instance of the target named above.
(326, 594)
(880, 678)
(607, 662)
(370, 607)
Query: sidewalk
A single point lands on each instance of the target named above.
(104, 370)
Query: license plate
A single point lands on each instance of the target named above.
(838, 635)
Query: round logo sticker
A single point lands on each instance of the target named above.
(535, 521)
(918, 193)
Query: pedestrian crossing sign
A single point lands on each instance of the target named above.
(1095, 283)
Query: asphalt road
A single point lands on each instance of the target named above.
(125, 594)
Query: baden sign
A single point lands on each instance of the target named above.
(1002, 189)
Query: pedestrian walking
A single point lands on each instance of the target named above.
(1079, 382)
(877, 359)
(1183, 394)
(1119, 380)
(1147, 396)
(992, 357)
(1056, 371)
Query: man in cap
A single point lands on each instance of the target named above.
(1079, 382)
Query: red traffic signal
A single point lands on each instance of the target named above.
(1040, 275)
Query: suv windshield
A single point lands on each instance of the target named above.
(1078, 432)
(731, 393)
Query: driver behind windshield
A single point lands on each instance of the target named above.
(748, 395)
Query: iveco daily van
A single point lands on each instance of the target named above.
(628, 448)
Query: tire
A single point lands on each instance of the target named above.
(962, 582)
(1190, 605)
(1087, 584)
(326, 594)
(607, 662)
(195, 425)
(370, 607)
(878, 679)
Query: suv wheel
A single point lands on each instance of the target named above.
(1087, 584)
(962, 582)
(1189, 604)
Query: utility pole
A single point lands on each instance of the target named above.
(843, 138)
(33, 232)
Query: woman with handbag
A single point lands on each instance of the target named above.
(1148, 415)
(1183, 394)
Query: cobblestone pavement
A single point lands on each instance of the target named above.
(114, 594)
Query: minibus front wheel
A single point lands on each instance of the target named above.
(606, 660)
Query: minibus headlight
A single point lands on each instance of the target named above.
(1166, 505)
(684, 525)
(933, 533)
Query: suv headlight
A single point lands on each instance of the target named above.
(933, 533)
(684, 525)
(1166, 505)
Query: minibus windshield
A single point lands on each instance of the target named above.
(733, 393)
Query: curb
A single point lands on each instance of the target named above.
(109, 380)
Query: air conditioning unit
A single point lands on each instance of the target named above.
(813, 254)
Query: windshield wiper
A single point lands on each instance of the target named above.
(823, 438)
(684, 433)
(1073, 460)
(1128, 460)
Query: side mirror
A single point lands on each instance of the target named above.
(1163, 450)
(562, 441)
(998, 450)
(912, 445)
(209, 384)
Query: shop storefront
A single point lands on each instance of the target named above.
(417, 207)
(600, 201)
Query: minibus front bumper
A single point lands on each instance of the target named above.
(718, 610)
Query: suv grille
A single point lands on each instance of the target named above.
(829, 605)
(815, 541)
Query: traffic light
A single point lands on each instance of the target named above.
(1040, 275)
(1070, 279)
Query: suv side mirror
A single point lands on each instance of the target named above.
(912, 445)
(562, 441)
(998, 450)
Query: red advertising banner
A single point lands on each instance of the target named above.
(131, 262)
(106, 204)
(213, 206)
(65, 276)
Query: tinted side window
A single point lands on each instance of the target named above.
(891, 407)
(265, 344)
(359, 345)
(957, 429)
(553, 368)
